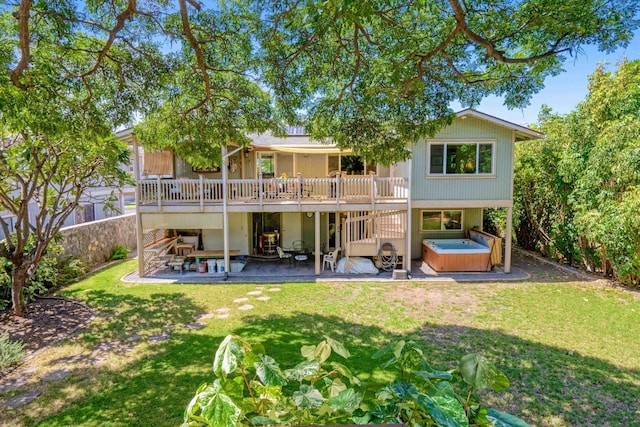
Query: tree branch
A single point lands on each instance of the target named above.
(186, 27)
(22, 15)
(492, 51)
(124, 16)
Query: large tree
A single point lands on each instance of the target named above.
(376, 75)
(69, 73)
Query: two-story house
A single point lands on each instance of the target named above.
(279, 192)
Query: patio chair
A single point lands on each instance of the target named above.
(283, 255)
(331, 259)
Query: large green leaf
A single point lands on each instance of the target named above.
(337, 347)
(502, 419)
(336, 387)
(347, 400)
(479, 372)
(302, 370)
(263, 421)
(268, 371)
(307, 397)
(443, 410)
(383, 351)
(229, 354)
(345, 372)
(308, 351)
(216, 408)
(323, 351)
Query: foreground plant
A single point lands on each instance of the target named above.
(251, 389)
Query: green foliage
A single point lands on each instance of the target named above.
(250, 389)
(577, 193)
(51, 273)
(11, 352)
(119, 252)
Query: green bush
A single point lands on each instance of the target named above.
(251, 389)
(51, 273)
(11, 352)
(119, 252)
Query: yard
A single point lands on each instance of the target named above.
(569, 347)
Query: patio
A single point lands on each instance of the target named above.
(274, 271)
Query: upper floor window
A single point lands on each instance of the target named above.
(461, 158)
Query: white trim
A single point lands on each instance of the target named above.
(460, 204)
(442, 229)
(446, 142)
(523, 131)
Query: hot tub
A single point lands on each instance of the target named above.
(456, 255)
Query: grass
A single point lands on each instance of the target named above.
(569, 348)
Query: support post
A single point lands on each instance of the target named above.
(225, 214)
(139, 230)
(507, 242)
(201, 193)
(317, 242)
(159, 192)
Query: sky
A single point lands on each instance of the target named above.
(563, 92)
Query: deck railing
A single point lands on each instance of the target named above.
(371, 189)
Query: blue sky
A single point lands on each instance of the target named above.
(563, 92)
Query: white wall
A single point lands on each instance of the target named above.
(238, 234)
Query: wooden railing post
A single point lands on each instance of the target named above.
(201, 193)
(300, 188)
(373, 190)
(260, 189)
(338, 189)
(159, 193)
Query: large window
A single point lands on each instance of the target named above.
(441, 220)
(461, 158)
(266, 165)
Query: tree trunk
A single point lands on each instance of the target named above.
(18, 282)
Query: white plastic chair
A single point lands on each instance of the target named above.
(331, 259)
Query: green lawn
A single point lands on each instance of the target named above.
(570, 348)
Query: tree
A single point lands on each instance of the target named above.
(577, 193)
(69, 74)
(375, 76)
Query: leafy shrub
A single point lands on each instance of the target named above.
(51, 273)
(251, 389)
(119, 252)
(11, 352)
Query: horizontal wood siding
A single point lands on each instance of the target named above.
(468, 188)
(311, 165)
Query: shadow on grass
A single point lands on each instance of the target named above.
(549, 385)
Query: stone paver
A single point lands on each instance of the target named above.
(223, 310)
(196, 325)
(71, 359)
(222, 316)
(167, 327)
(263, 298)
(58, 375)
(203, 316)
(245, 307)
(274, 289)
(108, 346)
(254, 293)
(134, 338)
(239, 300)
(22, 399)
(159, 337)
(13, 384)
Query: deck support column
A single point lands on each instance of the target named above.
(139, 230)
(225, 214)
(507, 242)
(317, 243)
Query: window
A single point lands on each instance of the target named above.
(461, 158)
(441, 221)
(266, 165)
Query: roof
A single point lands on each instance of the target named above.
(297, 143)
(522, 133)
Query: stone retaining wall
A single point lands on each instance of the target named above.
(93, 242)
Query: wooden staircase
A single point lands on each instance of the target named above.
(365, 232)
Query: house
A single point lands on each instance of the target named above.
(283, 191)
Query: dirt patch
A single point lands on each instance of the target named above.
(47, 320)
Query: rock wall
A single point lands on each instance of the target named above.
(93, 242)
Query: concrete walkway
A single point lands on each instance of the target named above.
(275, 272)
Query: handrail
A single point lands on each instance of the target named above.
(368, 189)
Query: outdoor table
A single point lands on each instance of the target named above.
(215, 253)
